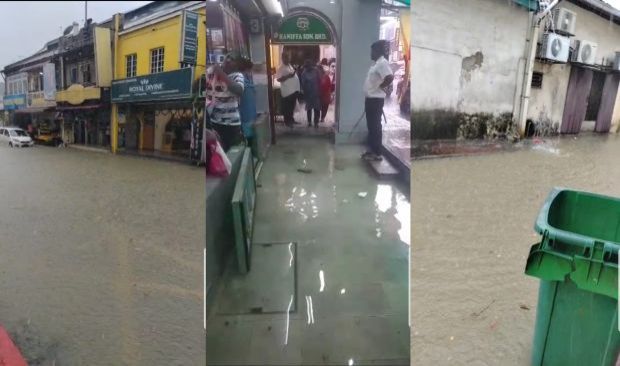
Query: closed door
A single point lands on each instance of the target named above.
(608, 100)
(148, 137)
(576, 103)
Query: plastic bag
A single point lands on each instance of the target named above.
(219, 164)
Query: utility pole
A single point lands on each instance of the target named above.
(85, 12)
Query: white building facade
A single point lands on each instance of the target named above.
(478, 51)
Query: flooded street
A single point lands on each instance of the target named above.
(101, 258)
(473, 221)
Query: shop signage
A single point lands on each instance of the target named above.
(189, 40)
(167, 85)
(303, 29)
(38, 100)
(13, 102)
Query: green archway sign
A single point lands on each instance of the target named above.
(303, 29)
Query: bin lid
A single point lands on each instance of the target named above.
(580, 241)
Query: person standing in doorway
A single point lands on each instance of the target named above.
(289, 89)
(324, 65)
(310, 86)
(326, 92)
(379, 78)
(224, 88)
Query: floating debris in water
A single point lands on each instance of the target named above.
(362, 194)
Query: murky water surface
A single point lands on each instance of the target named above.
(101, 258)
(472, 228)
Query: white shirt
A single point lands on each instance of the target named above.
(376, 74)
(290, 85)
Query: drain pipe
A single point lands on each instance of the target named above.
(529, 65)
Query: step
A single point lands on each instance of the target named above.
(383, 169)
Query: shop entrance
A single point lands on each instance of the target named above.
(308, 39)
(160, 131)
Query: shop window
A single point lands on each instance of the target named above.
(157, 60)
(537, 79)
(74, 75)
(130, 64)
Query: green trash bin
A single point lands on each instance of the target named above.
(577, 263)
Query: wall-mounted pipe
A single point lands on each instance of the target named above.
(529, 65)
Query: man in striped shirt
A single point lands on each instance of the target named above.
(224, 88)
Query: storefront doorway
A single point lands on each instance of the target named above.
(307, 37)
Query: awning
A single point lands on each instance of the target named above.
(34, 110)
(78, 107)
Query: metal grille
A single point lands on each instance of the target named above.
(157, 60)
(537, 79)
(131, 65)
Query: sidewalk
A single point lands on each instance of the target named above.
(329, 277)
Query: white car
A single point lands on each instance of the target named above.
(15, 137)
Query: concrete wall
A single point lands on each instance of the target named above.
(354, 59)
(467, 54)
(547, 103)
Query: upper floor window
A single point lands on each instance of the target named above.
(157, 60)
(130, 64)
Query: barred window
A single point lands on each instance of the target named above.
(157, 60)
(131, 62)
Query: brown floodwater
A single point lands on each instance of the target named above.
(472, 228)
(101, 258)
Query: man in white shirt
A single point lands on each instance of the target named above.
(289, 88)
(224, 88)
(377, 81)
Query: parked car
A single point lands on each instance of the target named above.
(15, 137)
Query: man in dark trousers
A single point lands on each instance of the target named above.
(377, 81)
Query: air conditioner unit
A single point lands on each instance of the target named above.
(564, 21)
(554, 47)
(617, 62)
(584, 52)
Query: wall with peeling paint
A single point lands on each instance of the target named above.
(547, 103)
(467, 55)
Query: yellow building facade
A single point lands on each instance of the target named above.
(157, 86)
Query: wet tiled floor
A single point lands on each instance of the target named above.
(349, 303)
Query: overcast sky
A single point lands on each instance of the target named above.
(614, 3)
(26, 26)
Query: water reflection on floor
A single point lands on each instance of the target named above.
(350, 235)
(101, 258)
(473, 223)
